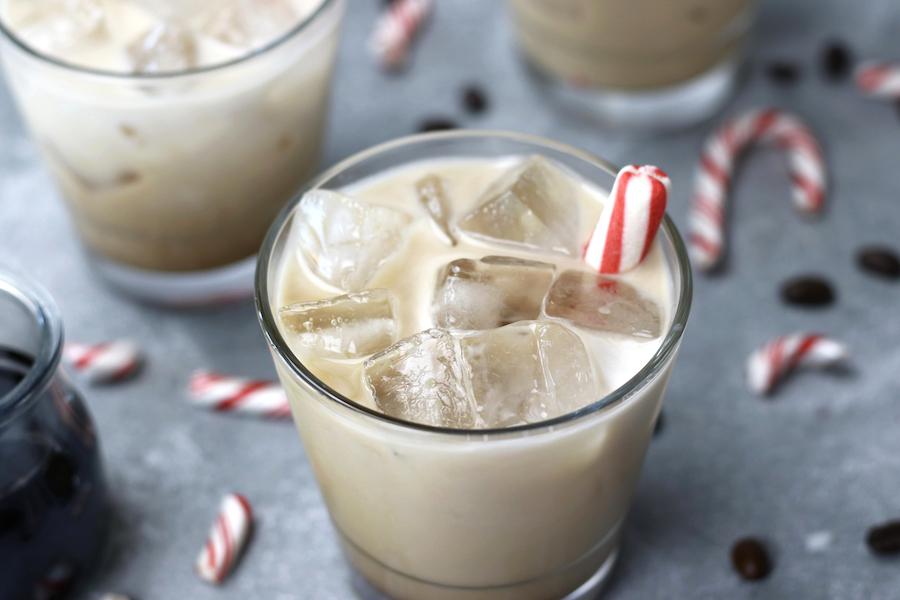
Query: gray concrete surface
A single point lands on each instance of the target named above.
(822, 456)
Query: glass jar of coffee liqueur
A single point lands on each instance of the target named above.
(54, 513)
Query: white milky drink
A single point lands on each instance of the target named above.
(475, 401)
(176, 129)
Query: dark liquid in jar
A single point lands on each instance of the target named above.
(53, 507)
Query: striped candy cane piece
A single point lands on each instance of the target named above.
(227, 539)
(718, 159)
(878, 79)
(235, 394)
(628, 225)
(775, 359)
(103, 363)
(396, 29)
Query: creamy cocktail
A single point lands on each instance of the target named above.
(176, 130)
(475, 401)
(636, 63)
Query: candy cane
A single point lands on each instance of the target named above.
(236, 394)
(227, 539)
(878, 79)
(717, 163)
(103, 363)
(396, 29)
(774, 360)
(629, 222)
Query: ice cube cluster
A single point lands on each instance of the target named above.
(506, 345)
(526, 372)
(157, 37)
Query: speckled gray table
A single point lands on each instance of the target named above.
(822, 456)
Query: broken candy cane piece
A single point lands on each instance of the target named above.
(629, 222)
(237, 394)
(103, 363)
(775, 359)
(227, 539)
(878, 80)
(396, 30)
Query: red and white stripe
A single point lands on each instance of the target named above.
(56, 582)
(629, 222)
(878, 79)
(103, 363)
(775, 359)
(396, 30)
(718, 159)
(236, 394)
(227, 539)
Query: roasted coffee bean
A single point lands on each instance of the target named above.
(60, 476)
(474, 99)
(436, 124)
(784, 73)
(807, 291)
(750, 560)
(836, 61)
(660, 423)
(879, 261)
(885, 538)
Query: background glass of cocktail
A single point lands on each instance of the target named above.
(637, 65)
(172, 179)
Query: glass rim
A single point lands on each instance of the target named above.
(115, 75)
(642, 377)
(46, 360)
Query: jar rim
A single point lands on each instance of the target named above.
(38, 303)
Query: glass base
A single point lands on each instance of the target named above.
(660, 109)
(589, 590)
(222, 285)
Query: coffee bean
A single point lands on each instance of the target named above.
(836, 61)
(750, 560)
(474, 99)
(60, 476)
(879, 261)
(784, 73)
(660, 423)
(885, 538)
(436, 124)
(807, 291)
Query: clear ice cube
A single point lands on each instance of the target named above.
(528, 372)
(532, 206)
(57, 25)
(247, 23)
(347, 326)
(491, 292)
(345, 240)
(167, 47)
(420, 379)
(602, 303)
(432, 192)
